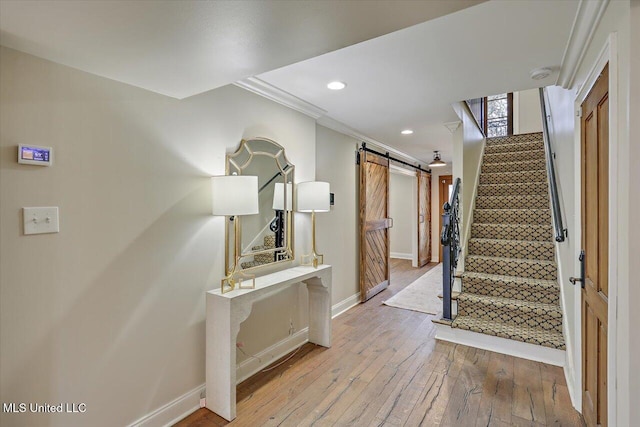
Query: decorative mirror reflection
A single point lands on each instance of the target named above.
(265, 238)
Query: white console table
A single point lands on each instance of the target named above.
(226, 311)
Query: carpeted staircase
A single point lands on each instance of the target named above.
(509, 286)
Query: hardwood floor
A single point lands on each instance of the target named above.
(386, 368)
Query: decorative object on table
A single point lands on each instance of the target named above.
(234, 196)
(267, 237)
(313, 196)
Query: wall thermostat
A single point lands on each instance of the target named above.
(35, 155)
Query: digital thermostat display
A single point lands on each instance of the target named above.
(35, 155)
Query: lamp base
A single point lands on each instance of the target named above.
(238, 278)
(314, 259)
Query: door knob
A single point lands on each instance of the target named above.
(580, 279)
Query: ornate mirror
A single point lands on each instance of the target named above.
(265, 238)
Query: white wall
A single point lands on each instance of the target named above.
(111, 310)
(632, 155)
(526, 112)
(562, 136)
(624, 200)
(402, 208)
(468, 147)
(337, 231)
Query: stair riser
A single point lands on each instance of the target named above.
(512, 314)
(510, 148)
(537, 233)
(515, 291)
(512, 249)
(532, 188)
(515, 156)
(511, 267)
(549, 339)
(538, 201)
(515, 139)
(513, 166)
(512, 216)
(513, 177)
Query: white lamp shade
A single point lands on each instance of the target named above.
(278, 196)
(235, 195)
(313, 196)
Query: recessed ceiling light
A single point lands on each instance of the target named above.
(407, 132)
(540, 73)
(336, 85)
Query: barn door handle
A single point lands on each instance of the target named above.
(421, 218)
(573, 280)
(390, 222)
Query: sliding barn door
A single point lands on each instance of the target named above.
(374, 224)
(595, 240)
(424, 218)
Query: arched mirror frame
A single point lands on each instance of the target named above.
(237, 162)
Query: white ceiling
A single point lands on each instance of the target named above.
(182, 48)
(410, 78)
(405, 62)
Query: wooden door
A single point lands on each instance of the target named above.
(446, 184)
(374, 224)
(595, 241)
(424, 218)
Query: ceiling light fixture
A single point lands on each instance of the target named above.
(436, 160)
(540, 73)
(407, 132)
(336, 85)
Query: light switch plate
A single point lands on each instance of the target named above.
(41, 220)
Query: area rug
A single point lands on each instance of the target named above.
(421, 295)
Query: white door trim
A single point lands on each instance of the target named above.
(608, 54)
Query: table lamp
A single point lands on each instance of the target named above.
(313, 196)
(235, 195)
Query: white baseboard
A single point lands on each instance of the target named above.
(189, 402)
(401, 255)
(524, 350)
(345, 305)
(270, 354)
(173, 411)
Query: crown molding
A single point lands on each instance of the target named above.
(267, 90)
(346, 130)
(264, 89)
(584, 26)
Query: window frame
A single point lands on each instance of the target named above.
(485, 119)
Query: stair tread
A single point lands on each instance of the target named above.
(511, 210)
(513, 184)
(502, 301)
(522, 260)
(538, 151)
(521, 333)
(521, 146)
(519, 196)
(514, 139)
(483, 239)
(514, 279)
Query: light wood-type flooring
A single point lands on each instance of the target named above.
(386, 369)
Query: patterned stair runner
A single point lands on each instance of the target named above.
(509, 287)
